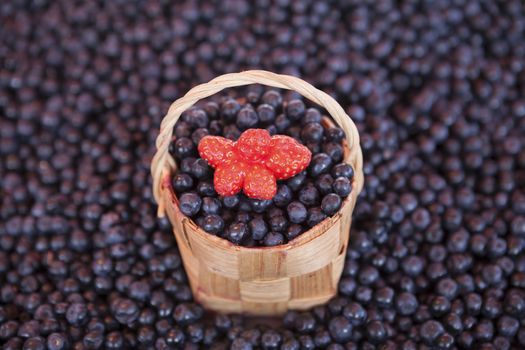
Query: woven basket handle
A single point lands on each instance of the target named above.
(162, 160)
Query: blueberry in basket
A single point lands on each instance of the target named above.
(259, 171)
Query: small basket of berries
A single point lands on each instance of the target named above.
(260, 193)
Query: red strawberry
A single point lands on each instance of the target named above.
(215, 149)
(229, 178)
(253, 144)
(259, 183)
(254, 162)
(287, 157)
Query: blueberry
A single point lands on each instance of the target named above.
(231, 132)
(187, 313)
(186, 163)
(278, 223)
(34, 343)
(196, 117)
(77, 314)
(320, 164)
(229, 109)
(342, 169)
(295, 110)
(283, 196)
(315, 216)
(259, 205)
(293, 231)
(243, 216)
(312, 116)
(237, 232)
(182, 182)
(241, 344)
(331, 204)
(355, 313)
(342, 186)
(124, 310)
(309, 195)
(182, 129)
(175, 337)
(184, 147)
(272, 98)
(312, 133)
(430, 331)
(296, 182)
(198, 134)
(282, 123)
(340, 329)
(376, 332)
(247, 118)
(230, 201)
(215, 128)
(297, 212)
(211, 205)
(406, 303)
(334, 150)
(266, 113)
(57, 341)
(258, 228)
(273, 239)
(190, 203)
(508, 326)
(335, 134)
(324, 183)
(200, 169)
(93, 339)
(212, 109)
(213, 224)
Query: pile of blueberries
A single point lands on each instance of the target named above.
(436, 258)
(301, 202)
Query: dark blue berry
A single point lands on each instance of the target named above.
(229, 109)
(297, 212)
(340, 329)
(230, 202)
(182, 182)
(184, 147)
(200, 169)
(342, 186)
(312, 116)
(190, 203)
(237, 232)
(331, 204)
(258, 228)
(334, 150)
(315, 216)
(312, 133)
(309, 195)
(247, 118)
(342, 169)
(273, 238)
(324, 183)
(272, 98)
(319, 164)
(213, 224)
(266, 113)
(293, 231)
(283, 196)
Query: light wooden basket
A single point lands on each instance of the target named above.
(262, 280)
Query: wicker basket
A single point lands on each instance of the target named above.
(268, 280)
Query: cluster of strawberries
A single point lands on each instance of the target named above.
(254, 163)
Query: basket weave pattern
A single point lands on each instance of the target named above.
(269, 280)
